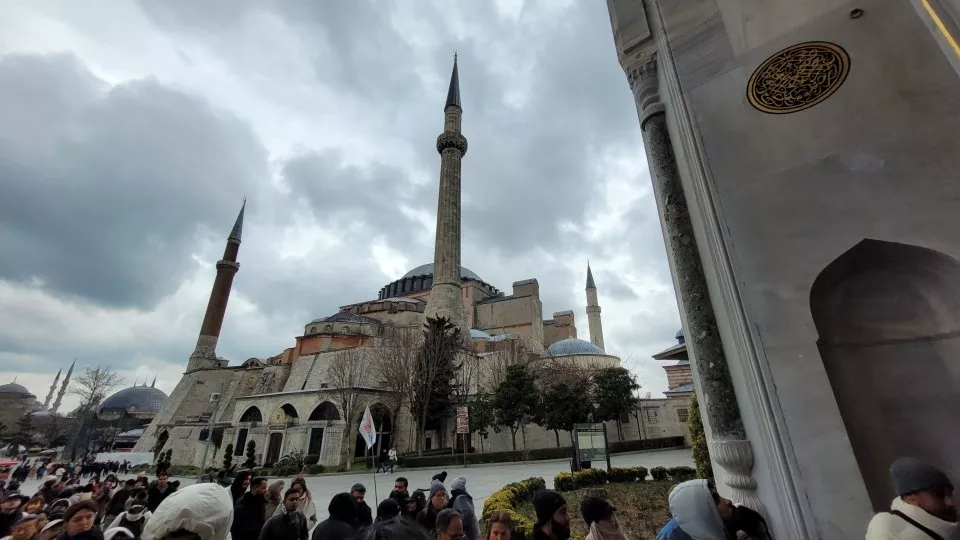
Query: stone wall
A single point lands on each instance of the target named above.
(561, 326)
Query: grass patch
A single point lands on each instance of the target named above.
(641, 507)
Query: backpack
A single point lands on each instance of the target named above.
(136, 527)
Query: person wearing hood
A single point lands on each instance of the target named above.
(339, 526)
(553, 518)
(436, 502)
(290, 523)
(134, 519)
(118, 502)
(197, 512)
(79, 520)
(274, 497)
(9, 512)
(388, 509)
(462, 502)
(240, 484)
(364, 513)
(601, 518)
(249, 513)
(924, 507)
(159, 490)
(699, 512)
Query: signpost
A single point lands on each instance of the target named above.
(463, 428)
(590, 444)
(368, 430)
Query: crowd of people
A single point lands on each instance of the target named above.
(254, 508)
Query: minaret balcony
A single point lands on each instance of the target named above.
(449, 139)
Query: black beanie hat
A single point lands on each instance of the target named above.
(546, 502)
(910, 475)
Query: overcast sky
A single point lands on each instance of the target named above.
(132, 131)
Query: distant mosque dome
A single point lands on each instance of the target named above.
(573, 346)
(134, 400)
(14, 388)
(679, 336)
(427, 270)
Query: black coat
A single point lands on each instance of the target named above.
(364, 515)
(333, 529)
(285, 526)
(248, 517)
(116, 506)
(155, 497)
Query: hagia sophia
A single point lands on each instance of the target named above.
(286, 402)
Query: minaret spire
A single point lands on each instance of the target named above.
(205, 353)
(445, 296)
(154, 383)
(53, 388)
(63, 389)
(593, 312)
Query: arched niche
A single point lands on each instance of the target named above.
(888, 319)
(325, 411)
(252, 414)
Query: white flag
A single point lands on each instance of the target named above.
(367, 429)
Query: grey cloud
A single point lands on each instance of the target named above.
(105, 203)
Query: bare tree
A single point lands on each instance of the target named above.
(515, 350)
(94, 385)
(345, 374)
(55, 431)
(393, 366)
(436, 369)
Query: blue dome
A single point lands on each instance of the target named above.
(427, 270)
(571, 346)
(478, 334)
(136, 399)
(14, 388)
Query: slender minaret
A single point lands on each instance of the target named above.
(205, 353)
(445, 296)
(53, 388)
(63, 389)
(593, 312)
(154, 383)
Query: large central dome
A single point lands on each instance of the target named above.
(135, 400)
(427, 270)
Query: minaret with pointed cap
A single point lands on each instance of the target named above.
(53, 388)
(445, 296)
(63, 389)
(154, 383)
(205, 353)
(593, 312)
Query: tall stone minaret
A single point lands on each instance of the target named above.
(593, 312)
(205, 353)
(53, 388)
(63, 389)
(445, 296)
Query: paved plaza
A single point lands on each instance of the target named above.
(482, 480)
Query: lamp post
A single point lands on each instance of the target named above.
(215, 399)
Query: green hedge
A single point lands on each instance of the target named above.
(645, 444)
(314, 469)
(569, 481)
(506, 499)
(311, 459)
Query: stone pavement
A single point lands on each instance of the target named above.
(482, 480)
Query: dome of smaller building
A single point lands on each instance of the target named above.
(14, 388)
(427, 270)
(346, 317)
(136, 399)
(572, 346)
(679, 336)
(478, 334)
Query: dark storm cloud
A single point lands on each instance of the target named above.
(104, 188)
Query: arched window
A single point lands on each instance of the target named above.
(325, 411)
(313, 329)
(252, 414)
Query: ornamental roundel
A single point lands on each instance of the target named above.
(798, 77)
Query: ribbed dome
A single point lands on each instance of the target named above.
(427, 270)
(137, 399)
(14, 388)
(571, 346)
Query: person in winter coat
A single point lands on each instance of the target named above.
(414, 504)
(553, 519)
(290, 523)
(274, 497)
(240, 484)
(133, 519)
(339, 526)
(601, 518)
(79, 522)
(249, 514)
(9, 512)
(305, 506)
(203, 511)
(118, 501)
(159, 490)
(387, 509)
(400, 492)
(364, 513)
(462, 502)
(924, 507)
(441, 477)
(390, 529)
(24, 529)
(435, 503)
(700, 512)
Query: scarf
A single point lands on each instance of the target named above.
(598, 531)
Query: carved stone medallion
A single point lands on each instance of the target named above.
(798, 77)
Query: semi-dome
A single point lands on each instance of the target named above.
(14, 388)
(427, 270)
(478, 334)
(136, 399)
(572, 346)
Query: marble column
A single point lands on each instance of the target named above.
(728, 443)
